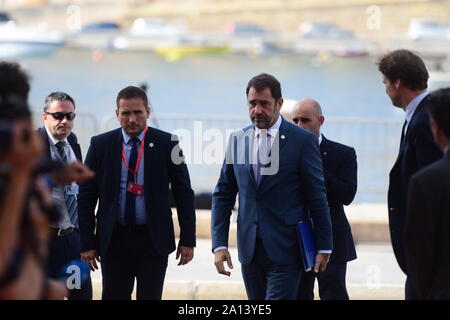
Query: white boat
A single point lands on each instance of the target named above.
(439, 79)
(17, 41)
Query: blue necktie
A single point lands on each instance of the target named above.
(130, 203)
(71, 200)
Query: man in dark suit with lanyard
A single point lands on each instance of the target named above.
(340, 172)
(405, 78)
(132, 232)
(62, 146)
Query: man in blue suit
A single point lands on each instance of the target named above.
(340, 171)
(132, 231)
(405, 78)
(276, 168)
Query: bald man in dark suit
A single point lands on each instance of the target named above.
(340, 172)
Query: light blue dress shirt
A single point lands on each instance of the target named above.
(141, 217)
(411, 108)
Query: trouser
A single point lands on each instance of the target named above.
(64, 263)
(331, 283)
(131, 257)
(410, 290)
(266, 280)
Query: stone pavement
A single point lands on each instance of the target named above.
(369, 222)
(375, 275)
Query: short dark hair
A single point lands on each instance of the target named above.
(57, 96)
(14, 89)
(439, 109)
(406, 66)
(131, 92)
(263, 81)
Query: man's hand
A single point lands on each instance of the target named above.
(73, 172)
(321, 262)
(220, 257)
(56, 290)
(90, 258)
(185, 254)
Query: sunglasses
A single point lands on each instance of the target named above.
(60, 115)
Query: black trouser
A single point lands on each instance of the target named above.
(331, 283)
(410, 290)
(131, 256)
(64, 250)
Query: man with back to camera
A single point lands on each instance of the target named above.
(132, 233)
(427, 221)
(340, 172)
(279, 182)
(405, 78)
(62, 145)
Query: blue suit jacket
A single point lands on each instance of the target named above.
(278, 202)
(340, 171)
(104, 157)
(417, 150)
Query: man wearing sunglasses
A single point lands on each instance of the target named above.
(61, 145)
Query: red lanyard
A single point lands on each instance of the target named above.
(138, 162)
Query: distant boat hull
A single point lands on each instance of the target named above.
(17, 41)
(13, 49)
(174, 53)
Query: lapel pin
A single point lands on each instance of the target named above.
(283, 136)
(151, 145)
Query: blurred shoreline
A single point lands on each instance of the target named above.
(384, 20)
(375, 29)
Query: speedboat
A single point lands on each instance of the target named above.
(18, 41)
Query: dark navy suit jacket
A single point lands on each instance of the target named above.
(340, 172)
(417, 150)
(72, 139)
(104, 158)
(272, 208)
(427, 228)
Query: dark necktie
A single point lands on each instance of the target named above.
(403, 135)
(71, 200)
(60, 147)
(130, 203)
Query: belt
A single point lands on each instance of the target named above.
(64, 232)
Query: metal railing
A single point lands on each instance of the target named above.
(376, 143)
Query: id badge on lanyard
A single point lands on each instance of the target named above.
(72, 189)
(134, 187)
